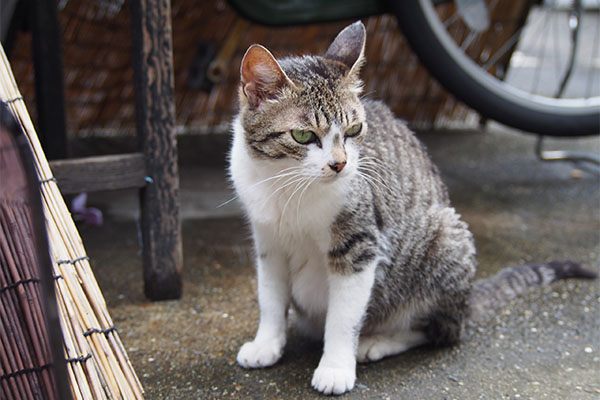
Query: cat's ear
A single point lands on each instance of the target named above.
(349, 47)
(261, 75)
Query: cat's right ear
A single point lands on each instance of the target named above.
(261, 75)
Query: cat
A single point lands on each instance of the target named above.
(352, 225)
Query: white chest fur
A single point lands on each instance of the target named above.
(290, 216)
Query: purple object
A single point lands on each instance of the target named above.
(89, 215)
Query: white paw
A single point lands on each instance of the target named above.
(330, 380)
(259, 354)
(372, 348)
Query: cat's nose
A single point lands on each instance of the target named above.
(337, 166)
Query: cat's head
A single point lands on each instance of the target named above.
(305, 111)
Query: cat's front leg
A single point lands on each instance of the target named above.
(348, 299)
(273, 298)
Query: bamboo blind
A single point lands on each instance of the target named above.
(98, 365)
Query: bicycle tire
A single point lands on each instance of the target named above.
(490, 97)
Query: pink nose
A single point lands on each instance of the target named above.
(337, 166)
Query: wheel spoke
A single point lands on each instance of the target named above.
(494, 58)
(542, 52)
(451, 19)
(594, 64)
(467, 42)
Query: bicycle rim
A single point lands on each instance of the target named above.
(490, 96)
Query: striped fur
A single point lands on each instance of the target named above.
(372, 257)
(491, 293)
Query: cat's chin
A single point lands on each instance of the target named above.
(330, 179)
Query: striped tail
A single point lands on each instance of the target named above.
(495, 291)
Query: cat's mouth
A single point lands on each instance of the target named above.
(331, 176)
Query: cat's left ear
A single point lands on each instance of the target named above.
(349, 47)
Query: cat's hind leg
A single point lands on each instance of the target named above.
(377, 346)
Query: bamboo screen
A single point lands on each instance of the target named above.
(97, 363)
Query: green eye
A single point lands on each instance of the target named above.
(303, 137)
(353, 130)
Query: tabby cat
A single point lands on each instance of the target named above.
(352, 225)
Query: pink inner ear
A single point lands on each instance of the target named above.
(262, 76)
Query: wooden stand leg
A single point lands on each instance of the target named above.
(155, 124)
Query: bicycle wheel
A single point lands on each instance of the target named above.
(498, 81)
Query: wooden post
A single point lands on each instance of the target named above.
(49, 86)
(155, 124)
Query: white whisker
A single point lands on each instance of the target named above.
(228, 201)
(372, 167)
(281, 174)
(296, 189)
(377, 182)
(288, 182)
(310, 182)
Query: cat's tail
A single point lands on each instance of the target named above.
(493, 292)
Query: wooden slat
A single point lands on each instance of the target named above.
(91, 174)
(155, 126)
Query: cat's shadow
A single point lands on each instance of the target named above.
(302, 353)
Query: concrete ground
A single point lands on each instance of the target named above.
(543, 346)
